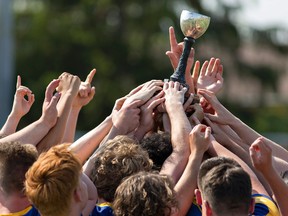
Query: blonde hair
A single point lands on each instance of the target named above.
(52, 179)
(119, 158)
(145, 194)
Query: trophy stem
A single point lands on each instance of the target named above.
(179, 73)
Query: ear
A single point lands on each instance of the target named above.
(208, 210)
(252, 206)
(198, 196)
(77, 194)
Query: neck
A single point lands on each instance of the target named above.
(101, 200)
(75, 209)
(13, 203)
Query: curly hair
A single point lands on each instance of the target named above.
(15, 160)
(159, 147)
(52, 180)
(119, 158)
(145, 194)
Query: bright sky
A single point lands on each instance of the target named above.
(258, 13)
(266, 13)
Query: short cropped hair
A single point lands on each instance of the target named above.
(15, 160)
(159, 147)
(226, 186)
(52, 180)
(117, 159)
(145, 194)
(285, 177)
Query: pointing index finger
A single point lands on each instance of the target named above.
(173, 41)
(18, 84)
(90, 76)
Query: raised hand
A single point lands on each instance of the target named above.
(49, 110)
(21, 105)
(221, 115)
(147, 115)
(174, 55)
(261, 155)
(145, 91)
(210, 77)
(200, 138)
(198, 114)
(174, 94)
(86, 92)
(69, 84)
(126, 117)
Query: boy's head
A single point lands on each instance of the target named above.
(15, 160)
(53, 181)
(145, 194)
(159, 147)
(225, 188)
(119, 158)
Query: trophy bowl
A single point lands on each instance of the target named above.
(193, 24)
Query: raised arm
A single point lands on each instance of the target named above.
(83, 97)
(34, 132)
(223, 116)
(21, 107)
(68, 88)
(180, 129)
(88, 143)
(261, 156)
(199, 139)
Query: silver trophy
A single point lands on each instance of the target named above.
(193, 26)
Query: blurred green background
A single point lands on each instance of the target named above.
(126, 42)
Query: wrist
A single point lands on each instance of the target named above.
(14, 117)
(196, 154)
(45, 123)
(75, 110)
(140, 133)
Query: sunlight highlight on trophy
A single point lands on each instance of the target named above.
(193, 26)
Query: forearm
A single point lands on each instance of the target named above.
(246, 133)
(86, 145)
(180, 129)
(10, 125)
(114, 131)
(279, 188)
(56, 134)
(88, 166)
(187, 184)
(174, 166)
(70, 128)
(31, 134)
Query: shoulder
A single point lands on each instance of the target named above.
(103, 209)
(264, 205)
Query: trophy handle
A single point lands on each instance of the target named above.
(179, 73)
